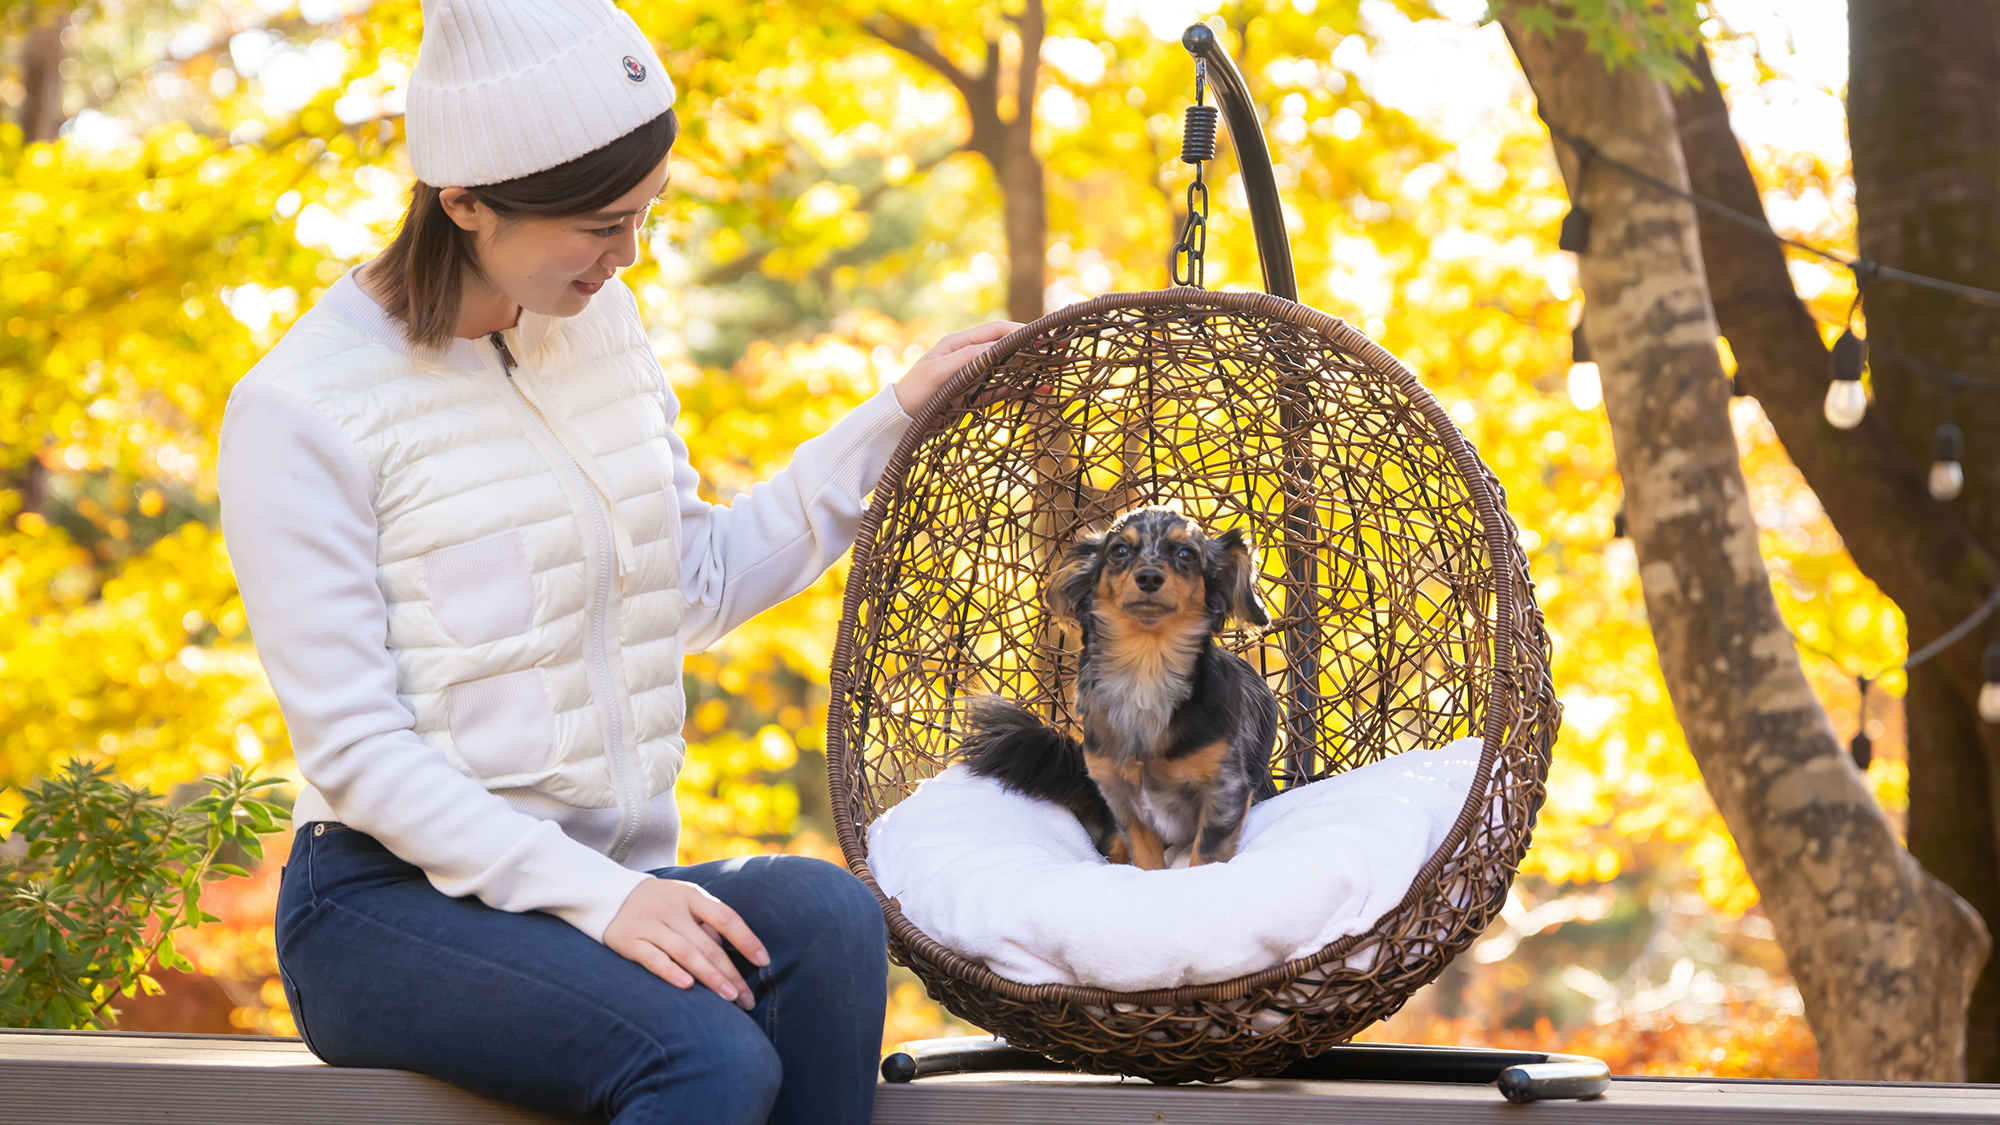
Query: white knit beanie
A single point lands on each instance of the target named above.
(505, 88)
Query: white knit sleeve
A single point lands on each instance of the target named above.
(739, 559)
(299, 519)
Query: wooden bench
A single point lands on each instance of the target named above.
(110, 1078)
(114, 1078)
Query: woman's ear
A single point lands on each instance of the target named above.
(463, 207)
(1075, 581)
(1236, 578)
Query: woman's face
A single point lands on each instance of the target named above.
(553, 266)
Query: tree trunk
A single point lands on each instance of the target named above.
(29, 481)
(1952, 834)
(1008, 145)
(1020, 174)
(1924, 118)
(1884, 954)
(41, 73)
(1923, 554)
(41, 120)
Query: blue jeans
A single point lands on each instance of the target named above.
(383, 970)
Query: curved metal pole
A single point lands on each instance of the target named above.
(1302, 525)
(1253, 159)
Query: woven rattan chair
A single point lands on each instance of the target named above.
(1402, 615)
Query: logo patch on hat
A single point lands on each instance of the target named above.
(634, 69)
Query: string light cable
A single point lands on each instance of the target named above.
(1988, 703)
(1846, 399)
(1862, 267)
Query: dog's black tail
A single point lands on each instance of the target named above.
(1006, 742)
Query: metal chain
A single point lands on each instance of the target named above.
(1194, 236)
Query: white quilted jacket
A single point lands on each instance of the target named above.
(472, 577)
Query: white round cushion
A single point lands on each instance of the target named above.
(1014, 883)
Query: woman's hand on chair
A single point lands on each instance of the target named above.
(926, 377)
(676, 931)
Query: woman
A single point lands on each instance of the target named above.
(472, 554)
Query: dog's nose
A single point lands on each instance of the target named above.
(1150, 580)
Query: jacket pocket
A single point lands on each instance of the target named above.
(503, 726)
(482, 590)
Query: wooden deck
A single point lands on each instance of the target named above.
(83, 1078)
(1038, 1099)
(108, 1078)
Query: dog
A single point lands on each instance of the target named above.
(1177, 731)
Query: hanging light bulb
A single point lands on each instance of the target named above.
(1989, 692)
(1947, 473)
(1586, 387)
(1862, 748)
(1846, 402)
(1846, 399)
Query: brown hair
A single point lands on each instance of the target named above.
(421, 274)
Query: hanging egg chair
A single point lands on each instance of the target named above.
(1402, 617)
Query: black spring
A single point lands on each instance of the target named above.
(1198, 136)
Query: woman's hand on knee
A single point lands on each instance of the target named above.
(929, 374)
(676, 931)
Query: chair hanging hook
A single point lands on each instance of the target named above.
(1197, 145)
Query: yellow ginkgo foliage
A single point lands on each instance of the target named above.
(823, 228)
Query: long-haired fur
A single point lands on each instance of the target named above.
(1177, 731)
(1008, 743)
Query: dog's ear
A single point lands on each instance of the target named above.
(1075, 580)
(1236, 578)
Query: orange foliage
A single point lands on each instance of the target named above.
(1753, 1041)
(240, 949)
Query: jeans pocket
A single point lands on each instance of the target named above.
(298, 1006)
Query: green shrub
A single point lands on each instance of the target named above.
(100, 877)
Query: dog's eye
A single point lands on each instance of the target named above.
(1185, 554)
(1120, 551)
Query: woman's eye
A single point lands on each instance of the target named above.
(609, 232)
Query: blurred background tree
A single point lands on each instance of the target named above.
(840, 200)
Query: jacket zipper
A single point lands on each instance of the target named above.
(631, 808)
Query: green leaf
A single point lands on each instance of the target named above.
(109, 873)
(1541, 21)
